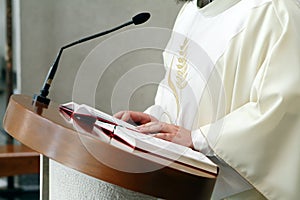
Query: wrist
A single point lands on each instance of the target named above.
(199, 142)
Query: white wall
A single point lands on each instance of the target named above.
(48, 25)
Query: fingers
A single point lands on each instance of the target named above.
(123, 115)
(158, 127)
(135, 117)
(168, 132)
(165, 136)
(180, 138)
(161, 130)
(119, 114)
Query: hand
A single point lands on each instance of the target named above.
(135, 117)
(168, 132)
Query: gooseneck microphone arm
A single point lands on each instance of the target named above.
(42, 97)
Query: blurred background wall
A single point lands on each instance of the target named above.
(46, 25)
(2, 37)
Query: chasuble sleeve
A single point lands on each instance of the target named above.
(261, 137)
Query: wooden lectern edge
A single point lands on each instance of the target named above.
(60, 142)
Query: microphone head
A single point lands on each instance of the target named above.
(140, 18)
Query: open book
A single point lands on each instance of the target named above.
(127, 137)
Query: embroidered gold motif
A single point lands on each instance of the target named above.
(182, 67)
(172, 86)
(181, 73)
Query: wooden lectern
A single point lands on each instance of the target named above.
(45, 131)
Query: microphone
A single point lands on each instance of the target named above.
(42, 97)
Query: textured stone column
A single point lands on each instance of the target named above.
(68, 184)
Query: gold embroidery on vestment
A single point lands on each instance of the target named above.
(171, 85)
(181, 73)
(182, 66)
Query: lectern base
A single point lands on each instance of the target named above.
(68, 184)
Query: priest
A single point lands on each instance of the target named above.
(231, 90)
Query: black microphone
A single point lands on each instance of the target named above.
(42, 98)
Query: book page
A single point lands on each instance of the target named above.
(108, 117)
(167, 149)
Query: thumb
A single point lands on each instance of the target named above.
(122, 115)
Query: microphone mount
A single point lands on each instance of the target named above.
(42, 97)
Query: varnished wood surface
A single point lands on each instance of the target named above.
(49, 134)
(18, 159)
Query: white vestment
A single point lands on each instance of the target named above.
(233, 79)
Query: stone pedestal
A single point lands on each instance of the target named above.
(68, 184)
